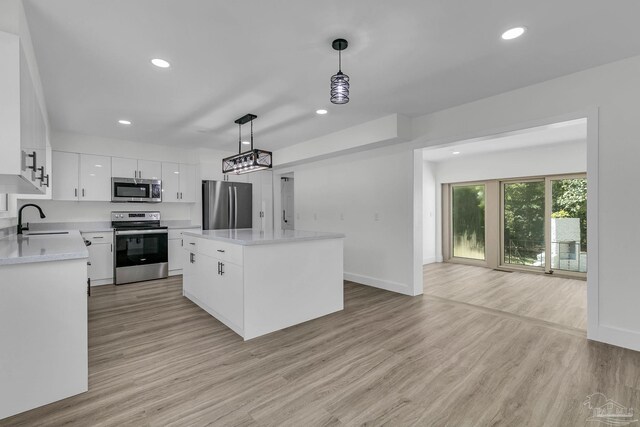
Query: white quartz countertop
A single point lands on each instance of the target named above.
(249, 237)
(27, 248)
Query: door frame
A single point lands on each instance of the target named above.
(591, 113)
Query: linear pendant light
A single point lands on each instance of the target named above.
(249, 161)
(339, 81)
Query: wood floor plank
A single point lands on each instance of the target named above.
(156, 359)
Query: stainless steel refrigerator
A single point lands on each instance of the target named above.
(226, 205)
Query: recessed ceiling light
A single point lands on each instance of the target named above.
(246, 142)
(98, 166)
(176, 172)
(160, 63)
(455, 152)
(321, 111)
(513, 33)
(124, 122)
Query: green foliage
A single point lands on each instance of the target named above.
(561, 214)
(524, 213)
(468, 212)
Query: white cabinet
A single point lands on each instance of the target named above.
(100, 270)
(23, 132)
(262, 194)
(215, 285)
(170, 182)
(85, 177)
(178, 182)
(124, 168)
(176, 253)
(95, 178)
(188, 184)
(66, 171)
(134, 168)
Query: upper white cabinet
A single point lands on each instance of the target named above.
(23, 133)
(85, 177)
(134, 168)
(95, 178)
(66, 173)
(178, 182)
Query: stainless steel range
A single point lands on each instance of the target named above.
(141, 247)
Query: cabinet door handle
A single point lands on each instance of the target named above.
(111, 247)
(41, 177)
(192, 258)
(191, 243)
(98, 237)
(83, 192)
(75, 192)
(221, 250)
(222, 269)
(177, 194)
(33, 164)
(47, 182)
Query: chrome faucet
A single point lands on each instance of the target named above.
(26, 228)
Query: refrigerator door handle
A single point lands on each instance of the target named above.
(235, 207)
(230, 208)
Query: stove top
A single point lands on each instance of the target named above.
(135, 220)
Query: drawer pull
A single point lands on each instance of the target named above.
(221, 250)
(191, 243)
(98, 237)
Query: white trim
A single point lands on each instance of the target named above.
(101, 282)
(401, 288)
(616, 336)
(593, 225)
(430, 260)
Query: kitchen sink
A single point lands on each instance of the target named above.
(46, 233)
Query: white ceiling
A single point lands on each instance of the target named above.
(274, 59)
(558, 133)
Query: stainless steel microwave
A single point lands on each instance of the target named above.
(136, 190)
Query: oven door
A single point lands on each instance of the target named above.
(140, 255)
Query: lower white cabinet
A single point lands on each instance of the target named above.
(176, 255)
(216, 285)
(100, 271)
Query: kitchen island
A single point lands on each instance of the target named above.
(259, 282)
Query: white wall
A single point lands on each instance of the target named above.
(364, 196)
(429, 213)
(533, 161)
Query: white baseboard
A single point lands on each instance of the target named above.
(429, 260)
(175, 272)
(617, 336)
(387, 285)
(101, 282)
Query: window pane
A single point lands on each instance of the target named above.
(524, 223)
(468, 221)
(569, 224)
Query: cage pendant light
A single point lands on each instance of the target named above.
(339, 81)
(248, 161)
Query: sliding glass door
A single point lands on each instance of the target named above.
(523, 224)
(468, 221)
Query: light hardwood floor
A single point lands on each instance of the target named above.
(543, 297)
(157, 359)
